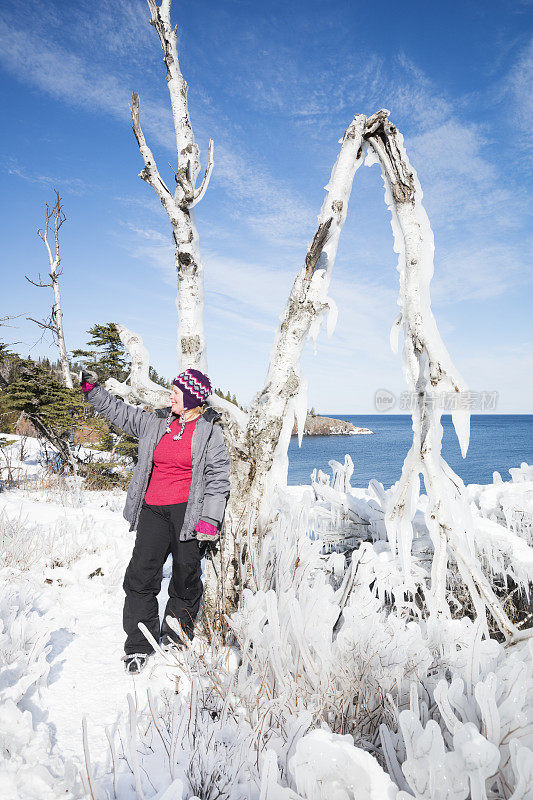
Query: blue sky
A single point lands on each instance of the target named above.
(275, 85)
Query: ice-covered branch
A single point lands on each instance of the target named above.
(414, 242)
(138, 386)
(430, 373)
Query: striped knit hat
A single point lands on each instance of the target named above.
(196, 387)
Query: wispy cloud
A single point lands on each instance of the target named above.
(60, 73)
(460, 183)
(517, 88)
(76, 186)
(504, 368)
(265, 202)
(479, 272)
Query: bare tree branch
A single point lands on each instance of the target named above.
(40, 284)
(199, 193)
(150, 173)
(49, 326)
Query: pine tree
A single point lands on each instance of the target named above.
(109, 359)
(52, 408)
(156, 378)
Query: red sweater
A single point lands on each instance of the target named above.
(172, 472)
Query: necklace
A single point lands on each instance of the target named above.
(183, 421)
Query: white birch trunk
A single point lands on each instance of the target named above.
(178, 205)
(284, 395)
(261, 463)
(67, 377)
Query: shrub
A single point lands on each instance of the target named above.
(104, 475)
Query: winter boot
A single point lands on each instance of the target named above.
(167, 642)
(135, 662)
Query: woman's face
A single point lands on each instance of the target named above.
(176, 400)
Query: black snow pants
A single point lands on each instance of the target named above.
(158, 532)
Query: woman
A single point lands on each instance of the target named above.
(176, 501)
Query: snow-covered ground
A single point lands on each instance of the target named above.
(428, 703)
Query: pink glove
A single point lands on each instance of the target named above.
(205, 532)
(88, 380)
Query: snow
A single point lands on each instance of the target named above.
(338, 688)
(327, 766)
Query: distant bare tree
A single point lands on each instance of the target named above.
(54, 217)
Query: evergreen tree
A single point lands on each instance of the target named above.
(156, 378)
(5, 352)
(10, 364)
(7, 366)
(48, 404)
(40, 395)
(108, 358)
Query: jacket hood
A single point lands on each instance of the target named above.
(210, 414)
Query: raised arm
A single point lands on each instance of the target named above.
(129, 418)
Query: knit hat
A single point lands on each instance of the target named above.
(196, 387)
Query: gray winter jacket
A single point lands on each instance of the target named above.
(210, 484)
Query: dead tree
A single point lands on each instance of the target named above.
(53, 220)
(179, 203)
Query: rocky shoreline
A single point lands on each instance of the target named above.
(329, 426)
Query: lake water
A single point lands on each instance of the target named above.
(497, 442)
